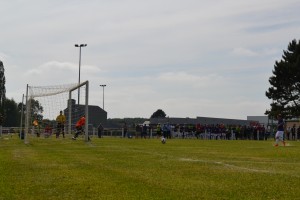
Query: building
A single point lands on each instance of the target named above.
(200, 120)
(263, 120)
(96, 114)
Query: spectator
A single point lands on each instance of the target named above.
(165, 131)
(293, 132)
(144, 131)
(288, 133)
(100, 130)
(268, 132)
(168, 131)
(36, 125)
(158, 131)
(198, 130)
(125, 129)
(137, 130)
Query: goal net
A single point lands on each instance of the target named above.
(44, 104)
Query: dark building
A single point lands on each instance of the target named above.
(96, 114)
(200, 120)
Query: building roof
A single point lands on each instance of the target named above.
(200, 120)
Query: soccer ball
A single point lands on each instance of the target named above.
(163, 140)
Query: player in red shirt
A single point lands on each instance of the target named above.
(79, 127)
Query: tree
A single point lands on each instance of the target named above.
(36, 109)
(2, 86)
(158, 114)
(11, 113)
(285, 83)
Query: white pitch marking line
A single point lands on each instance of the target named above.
(226, 165)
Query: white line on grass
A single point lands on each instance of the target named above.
(233, 167)
(227, 165)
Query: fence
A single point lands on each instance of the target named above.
(151, 133)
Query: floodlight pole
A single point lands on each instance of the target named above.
(87, 112)
(81, 45)
(103, 94)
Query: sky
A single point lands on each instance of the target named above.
(187, 57)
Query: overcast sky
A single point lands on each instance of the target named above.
(187, 57)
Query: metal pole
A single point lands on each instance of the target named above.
(79, 73)
(103, 95)
(70, 113)
(81, 45)
(87, 112)
(22, 112)
(27, 116)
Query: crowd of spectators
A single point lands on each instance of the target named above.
(293, 133)
(221, 131)
(205, 131)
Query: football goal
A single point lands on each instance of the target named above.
(44, 104)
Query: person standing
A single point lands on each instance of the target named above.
(168, 131)
(144, 131)
(268, 132)
(60, 120)
(198, 130)
(36, 125)
(100, 130)
(288, 134)
(125, 129)
(293, 132)
(280, 131)
(137, 131)
(165, 131)
(79, 127)
(158, 130)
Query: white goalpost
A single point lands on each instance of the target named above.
(44, 103)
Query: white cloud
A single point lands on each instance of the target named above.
(63, 68)
(51, 67)
(192, 80)
(244, 52)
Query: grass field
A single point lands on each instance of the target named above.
(116, 168)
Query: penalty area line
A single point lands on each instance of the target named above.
(234, 167)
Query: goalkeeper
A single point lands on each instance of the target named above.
(61, 120)
(79, 127)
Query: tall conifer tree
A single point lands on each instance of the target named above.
(2, 86)
(285, 83)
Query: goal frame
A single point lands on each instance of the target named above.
(86, 112)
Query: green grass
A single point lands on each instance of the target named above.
(115, 168)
